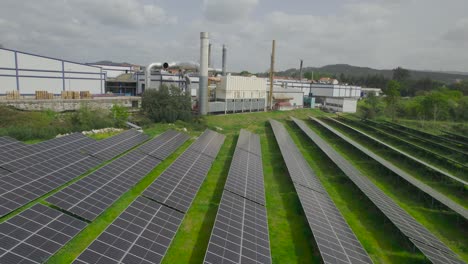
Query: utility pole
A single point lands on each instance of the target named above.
(272, 67)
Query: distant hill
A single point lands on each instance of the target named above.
(349, 70)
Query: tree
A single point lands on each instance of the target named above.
(392, 97)
(400, 74)
(167, 104)
(245, 73)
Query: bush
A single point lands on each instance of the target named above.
(120, 114)
(87, 118)
(167, 104)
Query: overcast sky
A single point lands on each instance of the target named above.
(416, 34)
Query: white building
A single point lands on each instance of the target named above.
(319, 90)
(345, 105)
(239, 87)
(28, 73)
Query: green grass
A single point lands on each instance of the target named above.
(449, 228)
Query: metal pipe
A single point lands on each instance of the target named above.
(300, 72)
(203, 85)
(209, 56)
(272, 73)
(224, 59)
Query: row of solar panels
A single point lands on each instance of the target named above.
(333, 236)
(434, 249)
(417, 183)
(34, 170)
(240, 231)
(38, 232)
(144, 231)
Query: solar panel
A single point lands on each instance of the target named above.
(245, 176)
(335, 239)
(36, 234)
(179, 183)
(434, 255)
(24, 161)
(27, 150)
(249, 142)
(22, 187)
(90, 196)
(299, 170)
(163, 145)
(7, 140)
(9, 144)
(240, 232)
(203, 145)
(141, 234)
(108, 148)
(400, 218)
(419, 184)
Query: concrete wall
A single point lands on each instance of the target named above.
(28, 73)
(61, 105)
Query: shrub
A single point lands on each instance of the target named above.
(167, 104)
(120, 115)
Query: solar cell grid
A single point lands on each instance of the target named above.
(402, 220)
(335, 239)
(93, 194)
(298, 168)
(108, 148)
(249, 142)
(52, 155)
(436, 256)
(177, 185)
(21, 187)
(90, 196)
(162, 146)
(141, 234)
(240, 232)
(36, 153)
(7, 140)
(36, 234)
(245, 176)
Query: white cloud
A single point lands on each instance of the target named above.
(420, 34)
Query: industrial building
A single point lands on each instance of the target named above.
(340, 104)
(27, 73)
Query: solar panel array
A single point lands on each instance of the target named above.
(240, 232)
(90, 196)
(335, 239)
(141, 234)
(22, 187)
(23, 161)
(433, 248)
(50, 164)
(178, 184)
(109, 148)
(9, 144)
(36, 234)
(27, 150)
(420, 185)
(144, 231)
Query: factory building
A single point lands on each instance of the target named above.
(344, 105)
(27, 73)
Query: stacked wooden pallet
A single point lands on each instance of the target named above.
(44, 95)
(70, 95)
(12, 95)
(85, 95)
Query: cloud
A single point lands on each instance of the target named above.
(228, 11)
(378, 33)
